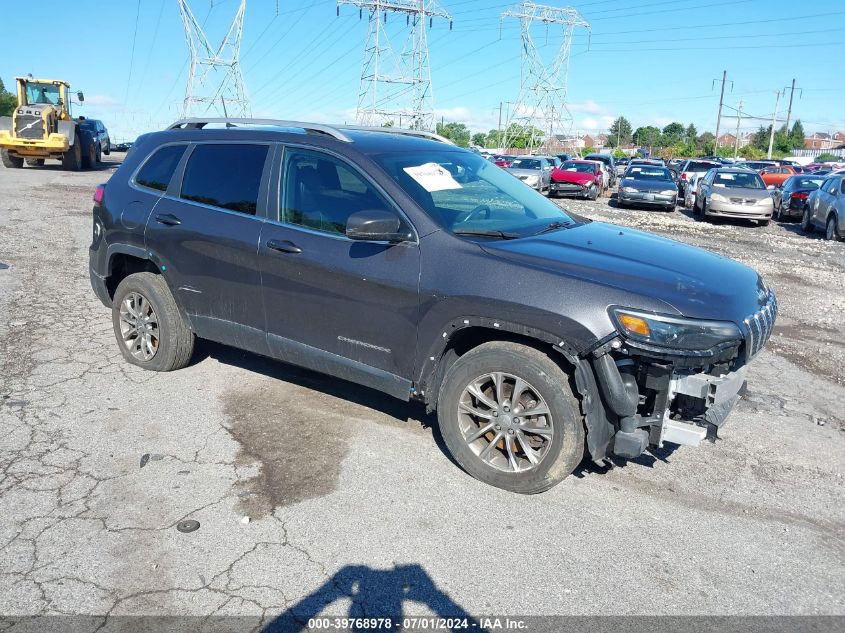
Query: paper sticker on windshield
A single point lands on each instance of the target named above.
(432, 177)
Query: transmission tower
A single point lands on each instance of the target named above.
(542, 91)
(397, 86)
(215, 82)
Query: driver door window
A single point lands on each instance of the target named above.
(320, 192)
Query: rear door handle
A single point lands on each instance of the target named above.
(284, 246)
(169, 219)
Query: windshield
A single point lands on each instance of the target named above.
(464, 193)
(525, 163)
(738, 180)
(584, 168)
(42, 93)
(699, 166)
(643, 172)
(806, 183)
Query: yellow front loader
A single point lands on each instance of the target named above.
(42, 127)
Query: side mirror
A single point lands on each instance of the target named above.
(80, 96)
(375, 225)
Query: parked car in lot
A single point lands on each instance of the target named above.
(565, 157)
(825, 209)
(693, 167)
(609, 163)
(648, 185)
(756, 165)
(621, 166)
(691, 190)
(98, 134)
(733, 192)
(580, 178)
(777, 175)
(534, 171)
(393, 259)
(503, 160)
(791, 197)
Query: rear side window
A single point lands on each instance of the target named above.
(158, 170)
(699, 166)
(226, 176)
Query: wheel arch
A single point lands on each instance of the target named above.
(465, 334)
(126, 260)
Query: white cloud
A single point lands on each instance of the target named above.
(587, 107)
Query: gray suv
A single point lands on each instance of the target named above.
(395, 260)
(825, 209)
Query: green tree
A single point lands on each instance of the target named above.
(707, 143)
(387, 124)
(760, 138)
(672, 134)
(691, 134)
(479, 139)
(8, 101)
(456, 132)
(797, 134)
(827, 156)
(620, 132)
(648, 135)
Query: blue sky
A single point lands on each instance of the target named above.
(651, 61)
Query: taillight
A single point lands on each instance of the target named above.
(684, 176)
(801, 195)
(99, 193)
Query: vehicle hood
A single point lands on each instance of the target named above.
(649, 185)
(580, 177)
(693, 281)
(524, 172)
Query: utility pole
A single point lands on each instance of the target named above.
(721, 101)
(774, 119)
(738, 121)
(499, 137)
(789, 110)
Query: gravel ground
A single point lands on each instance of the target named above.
(353, 506)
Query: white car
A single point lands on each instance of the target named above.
(605, 174)
(690, 190)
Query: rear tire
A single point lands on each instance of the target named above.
(89, 157)
(72, 158)
(171, 340)
(10, 161)
(556, 449)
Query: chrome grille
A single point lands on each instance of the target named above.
(759, 326)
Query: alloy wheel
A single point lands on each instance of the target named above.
(139, 326)
(505, 422)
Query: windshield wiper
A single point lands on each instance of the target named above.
(486, 233)
(553, 226)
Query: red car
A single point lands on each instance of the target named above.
(581, 178)
(777, 174)
(503, 161)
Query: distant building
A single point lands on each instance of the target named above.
(729, 140)
(823, 140)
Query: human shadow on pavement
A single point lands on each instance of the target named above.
(374, 594)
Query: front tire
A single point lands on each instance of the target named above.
(72, 158)
(10, 161)
(150, 331)
(509, 417)
(806, 224)
(831, 230)
(89, 157)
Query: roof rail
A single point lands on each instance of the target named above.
(397, 130)
(318, 128)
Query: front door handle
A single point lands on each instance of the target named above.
(284, 246)
(169, 219)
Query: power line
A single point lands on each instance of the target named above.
(132, 54)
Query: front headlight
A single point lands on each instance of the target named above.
(718, 197)
(673, 332)
(530, 179)
(629, 190)
(669, 192)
